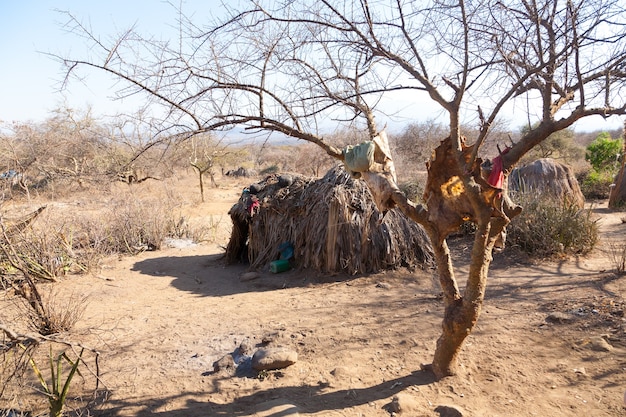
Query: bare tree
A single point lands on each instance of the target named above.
(63, 149)
(310, 162)
(293, 67)
(206, 153)
(413, 146)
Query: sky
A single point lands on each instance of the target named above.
(30, 79)
(30, 30)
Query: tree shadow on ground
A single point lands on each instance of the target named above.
(513, 274)
(308, 399)
(209, 276)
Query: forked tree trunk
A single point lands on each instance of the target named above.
(200, 171)
(461, 311)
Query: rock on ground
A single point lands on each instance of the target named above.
(560, 318)
(270, 358)
(598, 344)
(403, 404)
(449, 411)
(225, 365)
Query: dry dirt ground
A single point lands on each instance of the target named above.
(161, 319)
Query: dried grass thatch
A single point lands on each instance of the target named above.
(332, 224)
(548, 176)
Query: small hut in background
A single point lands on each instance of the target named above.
(548, 176)
(330, 224)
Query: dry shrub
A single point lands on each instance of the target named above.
(38, 253)
(14, 381)
(50, 248)
(44, 314)
(44, 255)
(58, 312)
(548, 227)
(138, 225)
(205, 231)
(617, 255)
(64, 241)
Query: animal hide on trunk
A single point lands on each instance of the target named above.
(446, 195)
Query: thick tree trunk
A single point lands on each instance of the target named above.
(455, 328)
(453, 194)
(448, 344)
(461, 312)
(617, 197)
(201, 183)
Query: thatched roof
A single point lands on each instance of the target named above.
(547, 176)
(332, 224)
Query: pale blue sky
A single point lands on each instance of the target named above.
(29, 80)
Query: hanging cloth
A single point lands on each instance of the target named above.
(496, 177)
(359, 158)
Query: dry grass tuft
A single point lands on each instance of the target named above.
(58, 312)
(65, 240)
(617, 255)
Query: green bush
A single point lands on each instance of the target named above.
(57, 387)
(548, 228)
(604, 153)
(595, 185)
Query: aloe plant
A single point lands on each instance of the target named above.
(58, 388)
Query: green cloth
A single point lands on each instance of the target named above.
(359, 158)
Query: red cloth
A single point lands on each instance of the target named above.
(496, 177)
(254, 206)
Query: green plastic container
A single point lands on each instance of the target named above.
(280, 265)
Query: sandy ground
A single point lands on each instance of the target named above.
(161, 319)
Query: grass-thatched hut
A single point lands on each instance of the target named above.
(548, 177)
(331, 223)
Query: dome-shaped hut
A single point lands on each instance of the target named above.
(330, 225)
(547, 176)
